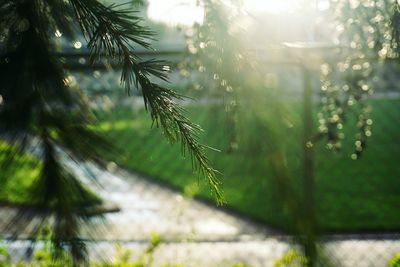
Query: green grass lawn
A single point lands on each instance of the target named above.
(17, 184)
(361, 195)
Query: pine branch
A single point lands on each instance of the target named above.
(112, 32)
(110, 29)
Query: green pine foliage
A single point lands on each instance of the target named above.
(38, 108)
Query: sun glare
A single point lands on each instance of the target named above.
(187, 12)
(175, 12)
(272, 6)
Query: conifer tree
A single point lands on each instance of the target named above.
(38, 108)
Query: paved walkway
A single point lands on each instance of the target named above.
(147, 207)
(197, 234)
(201, 235)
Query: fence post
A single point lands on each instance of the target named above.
(308, 229)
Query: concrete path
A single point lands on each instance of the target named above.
(147, 208)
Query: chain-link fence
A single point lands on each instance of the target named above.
(285, 190)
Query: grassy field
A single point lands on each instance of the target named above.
(17, 184)
(361, 195)
(15, 188)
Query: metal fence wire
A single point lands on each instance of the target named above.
(280, 184)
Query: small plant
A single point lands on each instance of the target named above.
(5, 257)
(395, 260)
(49, 254)
(292, 258)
